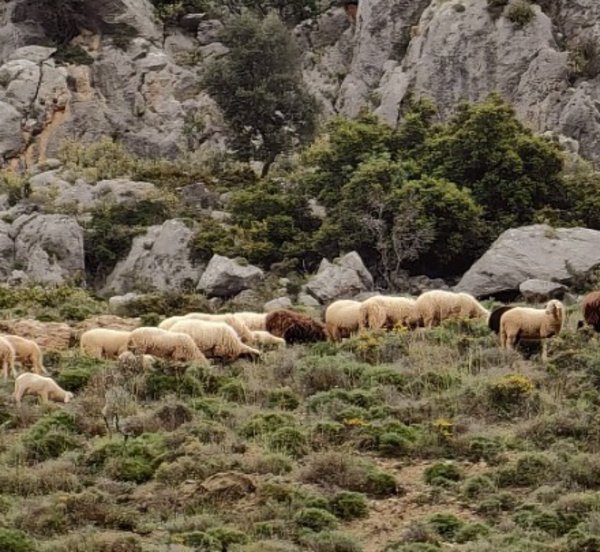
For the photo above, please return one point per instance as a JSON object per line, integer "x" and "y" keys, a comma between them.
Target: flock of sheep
{"x": 199, "y": 336}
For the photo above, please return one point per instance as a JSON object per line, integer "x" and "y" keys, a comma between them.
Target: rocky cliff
{"x": 119, "y": 72}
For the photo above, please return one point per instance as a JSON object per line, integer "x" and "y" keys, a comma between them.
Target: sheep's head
{"x": 68, "y": 396}
{"x": 555, "y": 309}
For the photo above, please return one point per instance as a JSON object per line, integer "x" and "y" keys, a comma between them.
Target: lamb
{"x": 104, "y": 343}
{"x": 27, "y": 352}
{"x": 129, "y": 360}
{"x": 380, "y": 311}
{"x": 42, "y": 386}
{"x": 342, "y": 318}
{"x": 528, "y": 323}
{"x": 266, "y": 339}
{"x": 215, "y": 339}
{"x": 591, "y": 310}
{"x": 470, "y": 308}
{"x": 432, "y": 307}
{"x": 254, "y": 320}
{"x": 238, "y": 325}
{"x": 496, "y": 316}
{"x": 7, "y": 357}
{"x": 295, "y": 327}
{"x": 164, "y": 344}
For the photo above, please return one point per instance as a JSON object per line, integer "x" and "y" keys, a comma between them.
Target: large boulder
{"x": 345, "y": 277}
{"x": 537, "y": 251}
{"x": 48, "y": 335}
{"x": 6, "y": 250}
{"x": 48, "y": 248}
{"x": 537, "y": 291}
{"x": 160, "y": 260}
{"x": 225, "y": 277}
{"x": 11, "y": 139}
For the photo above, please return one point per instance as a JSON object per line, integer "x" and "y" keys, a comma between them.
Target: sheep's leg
{"x": 107, "y": 426}
{"x": 13, "y": 370}
{"x": 44, "y": 396}
{"x": 544, "y": 351}
{"x": 5, "y": 369}
{"x": 117, "y": 423}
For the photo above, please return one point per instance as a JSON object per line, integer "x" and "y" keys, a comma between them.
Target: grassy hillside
{"x": 402, "y": 441}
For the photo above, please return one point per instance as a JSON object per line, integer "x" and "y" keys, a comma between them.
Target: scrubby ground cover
{"x": 405, "y": 441}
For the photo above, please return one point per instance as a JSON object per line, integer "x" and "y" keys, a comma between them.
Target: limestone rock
{"x": 6, "y": 250}
{"x": 230, "y": 485}
{"x": 49, "y": 248}
{"x": 537, "y": 251}
{"x": 117, "y": 303}
{"x": 278, "y": 303}
{"x": 121, "y": 190}
{"x": 48, "y": 335}
{"x": 307, "y": 300}
{"x": 159, "y": 260}
{"x": 105, "y": 321}
{"x": 11, "y": 140}
{"x": 225, "y": 277}
{"x": 538, "y": 291}
{"x": 344, "y": 278}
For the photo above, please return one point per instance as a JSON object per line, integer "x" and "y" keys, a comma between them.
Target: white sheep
{"x": 383, "y": 310}
{"x": 255, "y": 321}
{"x": 165, "y": 344}
{"x": 104, "y": 342}
{"x": 435, "y": 306}
{"x": 529, "y": 323}
{"x": 342, "y": 318}
{"x": 214, "y": 339}
{"x": 470, "y": 308}
{"x": 266, "y": 339}
{"x": 129, "y": 359}
{"x": 238, "y": 325}
{"x": 168, "y": 322}
{"x": 27, "y": 352}
{"x": 7, "y": 357}
{"x": 42, "y": 386}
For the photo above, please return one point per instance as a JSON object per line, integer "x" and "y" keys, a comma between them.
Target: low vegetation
{"x": 312, "y": 448}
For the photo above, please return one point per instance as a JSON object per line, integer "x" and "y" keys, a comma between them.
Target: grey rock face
{"x": 225, "y": 277}
{"x": 158, "y": 260}
{"x": 536, "y": 291}
{"x": 48, "y": 248}
{"x": 345, "y": 277}
{"x": 117, "y": 303}
{"x": 6, "y": 250}
{"x": 279, "y": 303}
{"x": 11, "y": 140}
{"x": 537, "y": 251}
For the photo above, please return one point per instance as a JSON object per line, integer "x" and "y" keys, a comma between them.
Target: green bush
{"x": 288, "y": 440}
{"x": 442, "y": 473}
{"x": 520, "y": 13}
{"x": 50, "y": 436}
{"x": 332, "y": 541}
{"x": 471, "y": 532}
{"x": 15, "y": 541}
{"x": 315, "y": 519}
{"x": 264, "y": 423}
{"x": 347, "y": 505}
{"x": 283, "y": 398}
{"x": 446, "y": 525}
{"x": 202, "y": 541}
{"x": 529, "y": 470}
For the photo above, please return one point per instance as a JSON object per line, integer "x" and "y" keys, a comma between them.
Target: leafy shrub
{"x": 478, "y": 486}
{"x": 332, "y": 541}
{"x": 510, "y": 394}
{"x": 228, "y": 536}
{"x": 584, "y": 469}
{"x": 268, "y": 422}
{"x": 529, "y": 470}
{"x": 15, "y": 541}
{"x": 520, "y": 13}
{"x": 347, "y": 505}
{"x": 283, "y": 398}
{"x": 50, "y": 436}
{"x": 442, "y": 473}
{"x": 202, "y": 541}
{"x": 471, "y": 532}
{"x": 289, "y": 440}
{"x": 446, "y": 525}
{"x": 315, "y": 519}
{"x": 76, "y": 372}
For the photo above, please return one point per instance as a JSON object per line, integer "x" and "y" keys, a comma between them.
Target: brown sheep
{"x": 591, "y": 310}
{"x": 295, "y": 327}
{"x": 495, "y": 316}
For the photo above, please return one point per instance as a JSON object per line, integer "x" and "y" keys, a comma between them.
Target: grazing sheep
{"x": 295, "y": 327}
{"x": 432, "y": 307}
{"x": 104, "y": 343}
{"x": 496, "y": 316}
{"x": 266, "y": 339}
{"x": 591, "y": 311}
{"x": 240, "y": 327}
{"x": 342, "y": 318}
{"x": 470, "y": 307}
{"x": 42, "y": 386}
{"x": 385, "y": 311}
{"x": 27, "y": 352}
{"x": 130, "y": 360}
{"x": 254, "y": 320}
{"x": 7, "y": 356}
{"x": 528, "y": 323}
{"x": 164, "y": 344}
{"x": 168, "y": 322}
{"x": 215, "y": 339}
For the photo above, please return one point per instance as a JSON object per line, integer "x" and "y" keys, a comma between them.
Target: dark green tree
{"x": 258, "y": 86}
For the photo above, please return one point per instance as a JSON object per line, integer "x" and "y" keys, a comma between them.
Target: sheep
{"x": 434, "y": 306}
{"x": 342, "y": 318}
{"x": 591, "y": 311}
{"x": 470, "y": 308}
{"x": 164, "y": 344}
{"x": 27, "y": 352}
{"x": 168, "y": 322}
{"x": 238, "y": 325}
{"x": 43, "y": 386}
{"x": 254, "y": 320}
{"x": 7, "y": 356}
{"x": 215, "y": 339}
{"x": 266, "y": 339}
{"x": 528, "y": 323}
{"x": 496, "y": 316}
{"x": 380, "y": 310}
{"x": 129, "y": 360}
{"x": 104, "y": 343}
{"x": 295, "y": 327}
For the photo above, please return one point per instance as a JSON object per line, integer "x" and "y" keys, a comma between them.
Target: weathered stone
{"x": 537, "y": 291}
{"x": 231, "y": 485}
{"x": 117, "y": 303}
{"x": 199, "y": 196}
{"x": 121, "y": 190}
{"x": 345, "y": 277}
{"x": 225, "y": 277}
{"x": 278, "y": 303}
{"x": 105, "y": 321}
{"x": 49, "y": 248}
{"x": 48, "y": 335}
{"x": 536, "y": 251}
{"x": 11, "y": 140}
{"x": 6, "y": 250}
{"x": 208, "y": 31}
{"x": 307, "y": 300}
{"x": 160, "y": 260}
{"x": 190, "y": 21}
{"x": 34, "y": 53}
